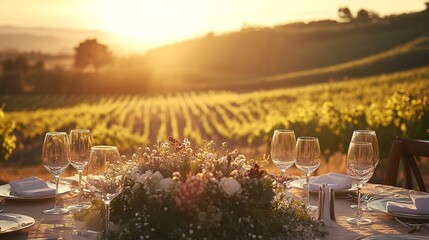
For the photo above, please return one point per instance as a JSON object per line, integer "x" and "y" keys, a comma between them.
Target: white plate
{"x": 5, "y": 192}
{"x": 299, "y": 183}
{"x": 392, "y": 237}
{"x": 380, "y": 205}
{"x": 11, "y": 222}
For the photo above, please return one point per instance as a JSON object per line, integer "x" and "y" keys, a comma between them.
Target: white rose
{"x": 156, "y": 177}
{"x": 166, "y": 184}
{"x": 142, "y": 178}
{"x": 230, "y": 186}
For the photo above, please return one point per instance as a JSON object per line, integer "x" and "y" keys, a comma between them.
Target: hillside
{"x": 251, "y": 59}
{"x": 57, "y": 40}
{"x": 328, "y": 49}
{"x": 407, "y": 56}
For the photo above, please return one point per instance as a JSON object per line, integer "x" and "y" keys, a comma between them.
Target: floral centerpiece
{"x": 176, "y": 192}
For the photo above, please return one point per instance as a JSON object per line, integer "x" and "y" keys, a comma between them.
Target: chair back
{"x": 408, "y": 150}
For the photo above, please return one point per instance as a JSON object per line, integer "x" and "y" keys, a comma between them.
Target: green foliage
{"x": 7, "y": 137}
{"x": 392, "y": 105}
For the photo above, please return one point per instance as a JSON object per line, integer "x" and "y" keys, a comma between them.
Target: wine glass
{"x": 368, "y": 136}
{"x": 360, "y": 167}
{"x": 283, "y": 149}
{"x": 107, "y": 176}
{"x": 371, "y": 137}
{"x": 308, "y": 157}
{"x": 80, "y": 149}
{"x": 55, "y": 158}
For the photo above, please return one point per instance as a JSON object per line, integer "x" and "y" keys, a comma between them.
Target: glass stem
{"x": 80, "y": 187}
{"x": 57, "y": 180}
{"x": 358, "y": 213}
{"x": 307, "y": 181}
{"x": 107, "y": 216}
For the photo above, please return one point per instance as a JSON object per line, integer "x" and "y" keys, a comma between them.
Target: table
{"x": 64, "y": 226}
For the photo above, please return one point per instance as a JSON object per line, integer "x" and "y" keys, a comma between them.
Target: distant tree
{"x": 39, "y": 65}
{"x": 345, "y": 14}
{"x": 8, "y": 65}
{"x": 366, "y": 16}
{"x": 20, "y": 63}
{"x": 90, "y": 52}
{"x": 427, "y": 6}
{"x": 362, "y": 16}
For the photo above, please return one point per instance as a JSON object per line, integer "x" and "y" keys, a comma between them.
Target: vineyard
{"x": 394, "y": 104}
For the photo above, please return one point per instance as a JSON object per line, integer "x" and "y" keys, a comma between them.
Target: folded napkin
{"x": 31, "y": 187}
{"x": 336, "y": 181}
{"x": 419, "y": 206}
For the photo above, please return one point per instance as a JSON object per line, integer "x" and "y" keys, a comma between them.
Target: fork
{"x": 1, "y": 202}
{"x": 412, "y": 226}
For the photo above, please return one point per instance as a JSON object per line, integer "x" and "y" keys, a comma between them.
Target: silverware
{"x": 332, "y": 205}
{"x": 412, "y": 226}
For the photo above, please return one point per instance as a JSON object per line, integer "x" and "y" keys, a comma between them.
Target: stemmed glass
{"x": 107, "y": 177}
{"x": 371, "y": 137}
{"x": 360, "y": 167}
{"x": 308, "y": 157}
{"x": 55, "y": 158}
{"x": 368, "y": 136}
{"x": 283, "y": 149}
{"x": 80, "y": 149}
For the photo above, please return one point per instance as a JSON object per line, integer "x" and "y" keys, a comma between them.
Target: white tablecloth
{"x": 63, "y": 226}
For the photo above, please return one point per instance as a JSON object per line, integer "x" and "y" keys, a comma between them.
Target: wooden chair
{"x": 408, "y": 150}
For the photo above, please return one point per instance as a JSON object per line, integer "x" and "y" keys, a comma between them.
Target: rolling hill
{"x": 295, "y": 54}
{"x": 250, "y": 59}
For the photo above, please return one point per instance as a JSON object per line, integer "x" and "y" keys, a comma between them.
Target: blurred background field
{"x": 322, "y": 78}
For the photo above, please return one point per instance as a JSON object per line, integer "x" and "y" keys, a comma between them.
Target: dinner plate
{"x": 392, "y": 237}
{"x": 299, "y": 183}
{"x": 11, "y": 222}
{"x": 5, "y": 192}
{"x": 380, "y": 205}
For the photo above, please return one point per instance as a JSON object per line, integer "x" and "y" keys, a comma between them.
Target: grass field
{"x": 394, "y": 104}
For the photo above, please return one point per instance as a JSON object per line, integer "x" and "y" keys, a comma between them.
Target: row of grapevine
{"x": 394, "y": 104}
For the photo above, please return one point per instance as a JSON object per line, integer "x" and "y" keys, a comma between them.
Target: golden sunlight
{"x": 155, "y": 22}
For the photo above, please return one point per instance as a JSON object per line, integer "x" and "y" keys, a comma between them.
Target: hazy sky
{"x": 161, "y": 21}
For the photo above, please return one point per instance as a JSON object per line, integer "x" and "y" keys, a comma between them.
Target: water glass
{"x": 360, "y": 167}
{"x": 283, "y": 149}
{"x": 308, "y": 157}
{"x": 55, "y": 158}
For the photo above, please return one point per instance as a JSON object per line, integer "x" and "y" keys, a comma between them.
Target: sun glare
{"x": 155, "y": 22}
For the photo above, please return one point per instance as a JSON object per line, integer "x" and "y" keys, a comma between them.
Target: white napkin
{"x": 420, "y": 204}
{"x": 336, "y": 181}
{"x": 31, "y": 187}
